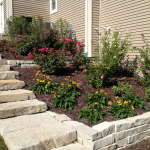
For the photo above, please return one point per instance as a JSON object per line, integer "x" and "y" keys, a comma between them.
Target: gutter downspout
{"x": 99, "y": 25}
{"x": 86, "y": 27}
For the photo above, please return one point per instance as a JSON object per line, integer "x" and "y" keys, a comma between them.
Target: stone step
{"x": 6, "y": 75}
{"x": 37, "y": 132}
{"x": 4, "y": 67}
{"x": 12, "y": 84}
{"x": 16, "y": 95}
{"x": 3, "y": 62}
{"x": 0, "y": 56}
{"x": 13, "y": 109}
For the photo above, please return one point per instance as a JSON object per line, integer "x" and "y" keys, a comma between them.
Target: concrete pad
{"x": 21, "y": 108}
{"x": 6, "y": 75}
{"x": 36, "y": 132}
{"x": 4, "y": 67}
{"x": 12, "y": 84}
{"x": 16, "y": 95}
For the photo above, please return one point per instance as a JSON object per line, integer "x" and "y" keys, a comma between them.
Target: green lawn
{"x": 2, "y": 144}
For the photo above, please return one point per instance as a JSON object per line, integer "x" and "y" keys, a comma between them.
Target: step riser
{"x": 14, "y": 109}
{"x": 4, "y": 67}
{"x": 6, "y": 75}
{"x": 11, "y": 85}
{"x": 3, "y": 62}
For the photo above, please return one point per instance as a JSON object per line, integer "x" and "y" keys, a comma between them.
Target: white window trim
{"x": 55, "y": 10}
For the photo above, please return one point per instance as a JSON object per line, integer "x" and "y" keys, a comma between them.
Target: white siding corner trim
{"x": 55, "y": 10}
{"x": 86, "y": 31}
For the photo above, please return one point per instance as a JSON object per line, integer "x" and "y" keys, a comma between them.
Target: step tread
{"x": 9, "y": 71}
{"x": 12, "y": 92}
{"x": 38, "y": 131}
{"x": 11, "y": 80}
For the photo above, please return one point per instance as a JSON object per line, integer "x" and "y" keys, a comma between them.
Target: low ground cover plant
{"x": 2, "y": 144}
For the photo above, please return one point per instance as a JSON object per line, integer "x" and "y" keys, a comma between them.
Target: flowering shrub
{"x": 112, "y": 53}
{"x": 66, "y": 95}
{"x": 147, "y": 97}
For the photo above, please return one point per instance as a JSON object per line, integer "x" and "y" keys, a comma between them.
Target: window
{"x": 53, "y": 6}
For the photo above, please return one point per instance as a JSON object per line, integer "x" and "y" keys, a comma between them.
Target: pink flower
{"x": 46, "y": 50}
{"x": 54, "y": 37}
{"x": 33, "y": 48}
{"x": 82, "y": 67}
{"x": 84, "y": 70}
{"x": 64, "y": 48}
{"x": 52, "y": 48}
{"x": 81, "y": 62}
{"x": 142, "y": 35}
{"x": 38, "y": 67}
{"x": 134, "y": 46}
{"x": 142, "y": 46}
{"x": 120, "y": 52}
{"x": 46, "y": 31}
{"x": 57, "y": 29}
{"x": 57, "y": 39}
{"x": 122, "y": 61}
{"x": 108, "y": 50}
{"x": 64, "y": 38}
{"x": 91, "y": 61}
{"x": 18, "y": 35}
{"x": 71, "y": 56}
{"x": 45, "y": 37}
{"x": 146, "y": 71}
{"x": 141, "y": 64}
{"x": 102, "y": 76}
{"x": 50, "y": 53}
{"x": 83, "y": 45}
{"x": 78, "y": 42}
{"x": 30, "y": 56}
{"x": 28, "y": 40}
{"x": 35, "y": 55}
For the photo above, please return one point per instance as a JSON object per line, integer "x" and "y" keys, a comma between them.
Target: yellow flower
{"x": 129, "y": 101}
{"x": 33, "y": 79}
{"x": 66, "y": 79}
{"x": 120, "y": 103}
{"x": 109, "y": 102}
{"x": 69, "y": 85}
{"x": 37, "y": 79}
{"x": 46, "y": 86}
{"x": 125, "y": 102}
{"x": 123, "y": 97}
{"x": 52, "y": 83}
{"x": 59, "y": 89}
{"x": 77, "y": 85}
{"x": 62, "y": 84}
{"x": 58, "y": 95}
{"x": 102, "y": 91}
{"x": 132, "y": 107}
{"x": 96, "y": 92}
{"x": 73, "y": 82}
{"x": 68, "y": 76}
{"x": 116, "y": 97}
{"x": 105, "y": 93}
{"x": 54, "y": 95}
{"x": 89, "y": 97}
{"x": 95, "y": 103}
{"x": 52, "y": 91}
{"x": 43, "y": 71}
{"x": 47, "y": 77}
{"x": 64, "y": 92}
{"x": 49, "y": 82}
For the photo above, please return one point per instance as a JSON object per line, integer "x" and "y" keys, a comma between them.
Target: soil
{"x": 28, "y": 74}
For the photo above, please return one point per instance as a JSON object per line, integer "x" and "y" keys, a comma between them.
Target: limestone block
{"x": 62, "y": 118}
{"x": 6, "y": 75}
{"x": 144, "y": 134}
{"x": 147, "y": 114}
{"x": 121, "y": 143}
{"x": 52, "y": 114}
{"x": 109, "y": 147}
{"x": 4, "y": 67}
{"x": 11, "y": 62}
{"x": 80, "y": 140}
{"x": 3, "y": 62}
{"x": 16, "y": 95}
{"x": 120, "y": 135}
{"x": 108, "y": 140}
{"x": 105, "y": 128}
{"x": 11, "y": 84}
{"x": 139, "y": 120}
{"x": 73, "y": 123}
{"x": 28, "y": 65}
{"x": 21, "y": 108}
{"x": 133, "y": 138}
{"x": 123, "y": 124}
{"x": 75, "y": 146}
{"x": 132, "y": 131}
{"x": 142, "y": 128}
{"x": 19, "y": 62}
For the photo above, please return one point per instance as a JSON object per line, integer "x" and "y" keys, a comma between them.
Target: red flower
{"x": 57, "y": 39}
{"x": 54, "y": 37}
{"x": 65, "y": 42}
{"x": 45, "y": 37}
{"x": 35, "y": 55}
{"x": 38, "y": 67}
{"x": 50, "y": 53}
{"x": 43, "y": 58}
{"x": 82, "y": 67}
{"x": 62, "y": 56}
{"x": 42, "y": 43}
{"x": 33, "y": 48}
{"x": 28, "y": 40}
{"x": 64, "y": 38}
{"x": 30, "y": 56}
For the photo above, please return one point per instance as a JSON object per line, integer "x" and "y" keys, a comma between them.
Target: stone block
{"x": 52, "y": 114}
{"x": 11, "y": 62}
{"x": 16, "y": 95}
{"x": 142, "y": 128}
{"x": 80, "y": 140}
{"x": 4, "y": 67}
{"x": 62, "y": 118}
{"x": 140, "y": 120}
{"x": 144, "y": 134}
{"x": 21, "y": 108}
{"x": 123, "y": 124}
{"x": 104, "y": 128}
{"x": 132, "y": 131}
{"x": 121, "y": 143}
{"x": 28, "y": 65}
{"x": 73, "y": 123}
{"x": 134, "y": 138}
{"x": 19, "y": 62}
{"x": 120, "y": 135}
{"x": 3, "y": 62}
{"x": 6, "y": 75}
{"x": 109, "y": 147}
{"x": 11, "y": 84}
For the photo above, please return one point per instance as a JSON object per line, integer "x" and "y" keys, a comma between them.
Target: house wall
{"x": 32, "y": 8}
{"x": 73, "y": 12}
{"x": 134, "y": 16}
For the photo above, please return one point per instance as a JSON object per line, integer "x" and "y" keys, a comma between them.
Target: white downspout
{"x": 86, "y": 27}
{"x": 99, "y": 25}
{"x": 50, "y": 9}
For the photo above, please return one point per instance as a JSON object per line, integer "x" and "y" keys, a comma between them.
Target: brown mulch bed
{"x": 28, "y": 74}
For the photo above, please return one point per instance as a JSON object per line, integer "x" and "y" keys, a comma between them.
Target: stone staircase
{"x": 25, "y": 123}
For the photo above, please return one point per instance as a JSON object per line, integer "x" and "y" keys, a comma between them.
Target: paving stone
{"x": 3, "y": 62}
{"x": 123, "y": 142}
{"x": 16, "y": 95}
{"x": 28, "y": 65}
{"x": 120, "y": 135}
{"x": 62, "y": 118}
{"x": 75, "y": 146}
{"x": 105, "y": 128}
{"x": 37, "y": 132}
{"x": 21, "y": 108}
{"x": 108, "y": 140}
{"x": 140, "y": 120}
{"x": 123, "y": 124}
{"x": 11, "y": 62}
{"x": 109, "y": 147}
{"x": 24, "y": 62}
{"x": 6, "y": 75}
{"x": 132, "y": 131}
{"x": 143, "y": 128}
{"x": 12, "y": 84}
{"x": 4, "y": 67}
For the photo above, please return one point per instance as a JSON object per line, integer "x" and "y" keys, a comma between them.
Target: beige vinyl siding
{"x": 95, "y": 23}
{"x": 32, "y": 8}
{"x": 134, "y": 16}
{"x": 5, "y": 12}
{"x": 73, "y": 11}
